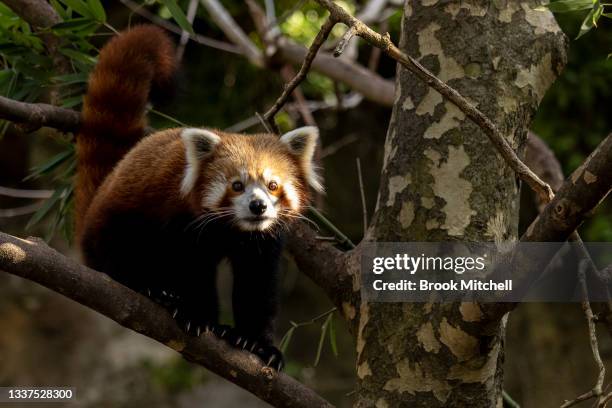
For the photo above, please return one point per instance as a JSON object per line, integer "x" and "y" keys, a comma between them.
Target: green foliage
{"x": 327, "y": 331}
{"x": 596, "y": 11}
{"x": 177, "y": 14}
{"x": 28, "y": 73}
{"x": 302, "y": 26}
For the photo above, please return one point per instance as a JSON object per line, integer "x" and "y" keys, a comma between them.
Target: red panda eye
{"x": 237, "y": 186}
{"x": 272, "y": 186}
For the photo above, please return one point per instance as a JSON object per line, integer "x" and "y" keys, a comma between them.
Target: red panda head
{"x": 254, "y": 181}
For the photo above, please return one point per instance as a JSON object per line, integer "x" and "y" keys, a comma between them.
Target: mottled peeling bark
{"x": 442, "y": 180}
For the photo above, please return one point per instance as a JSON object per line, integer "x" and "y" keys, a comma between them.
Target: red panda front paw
{"x": 190, "y": 325}
{"x": 271, "y": 356}
{"x": 165, "y": 298}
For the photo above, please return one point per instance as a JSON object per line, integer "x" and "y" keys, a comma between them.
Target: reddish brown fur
{"x": 148, "y": 178}
{"x": 113, "y": 111}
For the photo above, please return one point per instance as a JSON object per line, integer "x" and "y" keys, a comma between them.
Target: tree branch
{"x": 200, "y": 39}
{"x": 331, "y": 269}
{"x": 39, "y": 14}
{"x": 36, "y": 115}
{"x": 32, "y": 259}
{"x": 543, "y": 161}
{"x": 233, "y": 31}
{"x": 579, "y": 195}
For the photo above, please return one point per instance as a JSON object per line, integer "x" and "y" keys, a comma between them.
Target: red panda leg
{"x": 255, "y": 298}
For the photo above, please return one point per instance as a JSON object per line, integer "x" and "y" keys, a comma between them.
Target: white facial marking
{"x": 199, "y": 143}
{"x": 292, "y": 196}
{"x": 214, "y": 193}
{"x": 267, "y": 175}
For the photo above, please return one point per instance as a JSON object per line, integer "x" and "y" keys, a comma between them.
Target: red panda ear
{"x": 199, "y": 144}
{"x": 302, "y": 143}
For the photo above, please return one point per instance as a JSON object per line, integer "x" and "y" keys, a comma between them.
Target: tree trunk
{"x": 442, "y": 180}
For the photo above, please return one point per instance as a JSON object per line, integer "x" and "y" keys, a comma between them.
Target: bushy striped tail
{"x": 130, "y": 66}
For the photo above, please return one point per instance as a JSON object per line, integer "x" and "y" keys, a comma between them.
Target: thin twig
{"x": 363, "y": 199}
{"x": 346, "y": 38}
{"x": 191, "y": 13}
{"x": 342, "y": 239}
{"x": 374, "y": 59}
{"x": 265, "y": 124}
{"x": 232, "y": 30}
{"x": 312, "y": 52}
{"x": 580, "y": 398}
{"x": 334, "y": 147}
{"x": 327, "y": 239}
{"x": 509, "y": 401}
{"x": 273, "y": 29}
{"x": 596, "y": 392}
{"x": 603, "y": 401}
{"x": 287, "y": 73}
{"x": 20, "y": 193}
{"x": 243, "y": 124}
{"x": 384, "y": 42}
{"x": 19, "y": 211}
{"x": 200, "y": 39}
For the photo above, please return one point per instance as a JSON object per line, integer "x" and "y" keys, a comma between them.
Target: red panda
{"x": 158, "y": 213}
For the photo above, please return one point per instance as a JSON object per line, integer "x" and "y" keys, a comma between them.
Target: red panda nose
{"x": 257, "y": 207}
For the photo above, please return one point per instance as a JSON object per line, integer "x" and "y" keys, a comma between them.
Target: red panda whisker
{"x": 295, "y": 215}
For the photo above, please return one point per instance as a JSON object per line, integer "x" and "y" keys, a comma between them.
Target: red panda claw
{"x": 174, "y": 313}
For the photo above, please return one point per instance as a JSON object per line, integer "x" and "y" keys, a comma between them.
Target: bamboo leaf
{"x": 78, "y": 56}
{"x": 332, "y": 336}
{"x": 324, "y": 327}
{"x": 79, "y": 6}
{"x": 565, "y": 6}
{"x": 284, "y": 343}
{"x": 178, "y": 15}
{"x": 50, "y": 165}
{"x": 97, "y": 10}
{"x": 587, "y": 24}
{"x": 72, "y": 24}
{"x": 44, "y": 210}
